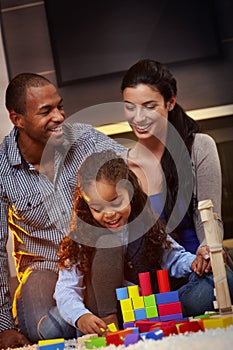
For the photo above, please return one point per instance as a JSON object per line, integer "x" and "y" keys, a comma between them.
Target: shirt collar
{"x": 14, "y": 155}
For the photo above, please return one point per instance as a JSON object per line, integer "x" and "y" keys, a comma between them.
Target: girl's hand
{"x": 89, "y": 324}
{"x": 201, "y": 265}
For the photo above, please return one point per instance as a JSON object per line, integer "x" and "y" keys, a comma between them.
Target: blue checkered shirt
{"x": 36, "y": 210}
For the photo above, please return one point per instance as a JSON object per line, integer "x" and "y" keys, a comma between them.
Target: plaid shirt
{"x": 36, "y": 210}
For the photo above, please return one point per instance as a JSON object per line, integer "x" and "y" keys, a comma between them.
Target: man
{"x": 38, "y": 166}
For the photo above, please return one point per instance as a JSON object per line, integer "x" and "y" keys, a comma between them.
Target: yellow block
{"x": 138, "y": 303}
{"x": 112, "y": 327}
{"x": 128, "y": 316}
{"x": 51, "y": 341}
{"x": 133, "y": 291}
{"x": 126, "y": 304}
{"x": 218, "y": 322}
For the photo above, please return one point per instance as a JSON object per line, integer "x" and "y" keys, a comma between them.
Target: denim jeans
{"x": 197, "y": 295}
{"x": 33, "y": 299}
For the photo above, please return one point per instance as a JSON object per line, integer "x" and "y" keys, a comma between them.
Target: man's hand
{"x": 201, "y": 265}
{"x": 89, "y": 324}
{"x": 11, "y": 338}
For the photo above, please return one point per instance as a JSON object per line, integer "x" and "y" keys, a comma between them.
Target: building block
{"x": 215, "y": 322}
{"x": 178, "y": 316}
{"x": 151, "y": 311}
{"x": 138, "y": 302}
{"x": 133, "y": 291}
{"x": 149, "y": 300}
{"x": 145, "y": 283}
{"x": 212, "y": 235}
{"x": 140, "y": 314}
{"x": 126, "y": 304}
{"x": 167, "y": 327}
{"x": 144, "y": 325}
{"x": 132, "y": 339}
{"x": 52, "y": 344}
{"x": 112, "y": 327}
{"x": 122, "y": 293}
{"x": 155, "y": 334}
{"x": 128, "y": 324}
{"x": 128, "y": 316}
{"x": 113, "y": 338}
{"x": 171, "y": 308}
{"x": 167, "y": 297}
{"x": 93, "y": 343}
{"x": 191, "y": 326}
{"x": 163, "y": 281}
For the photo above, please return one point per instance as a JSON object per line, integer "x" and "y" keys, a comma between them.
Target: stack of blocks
{"x": 144, "y": 305}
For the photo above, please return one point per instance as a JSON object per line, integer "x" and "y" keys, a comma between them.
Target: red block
{"x": 169, "y": 309}
{"x": 115, "y": 339}
{"x": 144, "y": 326}
{"x": 145, "y": 283}
{"x": 192, "y": 326}
{"x": 167, "y": 329}
{"x": 163, "y": 281}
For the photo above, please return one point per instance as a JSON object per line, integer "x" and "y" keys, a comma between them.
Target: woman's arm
{"x": 207, "y": 181}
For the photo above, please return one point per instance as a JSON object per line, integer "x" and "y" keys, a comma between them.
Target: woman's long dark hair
{"x": 109, "y": 167}
{"x": 158, "y": 77}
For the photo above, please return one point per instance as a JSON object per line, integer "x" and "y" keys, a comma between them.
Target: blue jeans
{"x": 197, "y": 295}
{"x": 33, "y": 299}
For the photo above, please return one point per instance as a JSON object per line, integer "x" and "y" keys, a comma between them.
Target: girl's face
{"x": 110, "y": 206}
{"x": 146, "y": 110}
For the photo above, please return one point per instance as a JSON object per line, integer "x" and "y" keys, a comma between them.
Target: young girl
{"x": 115, "y": 235}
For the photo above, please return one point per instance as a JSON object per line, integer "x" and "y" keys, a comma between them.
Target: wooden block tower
{"x": 210, "y": 223}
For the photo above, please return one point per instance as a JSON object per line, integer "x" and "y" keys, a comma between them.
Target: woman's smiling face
{"x": 146, "y": 110}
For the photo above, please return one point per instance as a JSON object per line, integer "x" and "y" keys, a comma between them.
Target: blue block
{"x": 167, "y": 297}
{"x": 131, "y": 338}
{"x": 156, "y": 334}
{"x": 55, "y": 346}
{"x": 122, "y": 293}
{"x": 140, "y": 314}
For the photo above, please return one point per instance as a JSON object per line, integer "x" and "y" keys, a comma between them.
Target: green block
{"x": 98, "y": 342}
{"x": 151, "y": 311}
{"x": 149, "y": 300}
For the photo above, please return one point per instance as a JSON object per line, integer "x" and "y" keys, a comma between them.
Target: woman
{"x": 177, "y": 166}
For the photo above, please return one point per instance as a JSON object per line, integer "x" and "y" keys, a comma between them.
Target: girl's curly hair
{"x": 108, "y": 166}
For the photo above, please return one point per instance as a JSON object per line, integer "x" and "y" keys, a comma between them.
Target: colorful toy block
{"x": 132, "y": 339}
{"x": 151, "y": 312}
{"x": 128, "y": 316}
{"x": 128, "y": 324}
{"x": 126, "y": 304}
{"x": 193, "y": 326}
{"x": 133, "y": 291}
{"x": 149, "y": 300}
{"x": 52, "y": 344}
{"x": 122, "y": 293}
{"x": 171, "y": 308}
{"x": 168, "y": 297}
{"x": 140, "y": 314}
{"x": 163, "y": 281}
{"x": 177, "y": 317}
{"x": 145, "y": 283}
{"x": 114, "y": 338}
{"x": 138, "y": 302}
{"x": 215, "y": 322}
{"x": 155, "y": 334}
